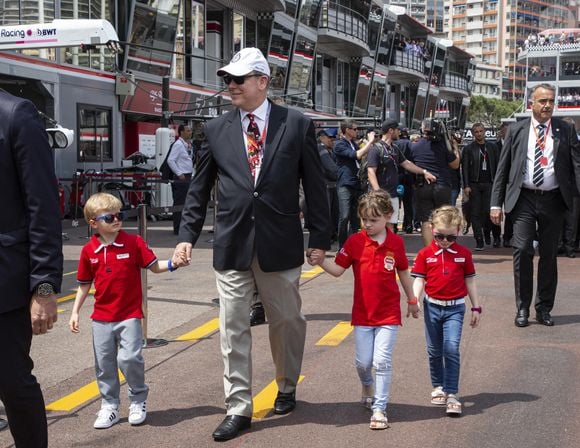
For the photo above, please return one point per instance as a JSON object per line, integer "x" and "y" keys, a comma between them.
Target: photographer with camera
{"x": 434, "y": 155}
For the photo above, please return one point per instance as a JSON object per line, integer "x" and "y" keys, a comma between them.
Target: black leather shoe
{"x": 487, "y": 240}
{"x": 570, "y": 253}
{"x": 285, "y": 403}
{"x": 231, "y": 427}
{"x": 496, "y": 242}
{"x": 257, "y": 314}
{"x": 544, "y": 318}
{"x": 522, "y": 319}
{"x": 507, "y": 243}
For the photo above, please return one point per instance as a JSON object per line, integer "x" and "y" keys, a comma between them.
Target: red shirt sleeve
{"x": 146, "y": 255}
{"x": 401, "y": 255}
{"x": 84, "y": 271}
{"x": 419, "y": 267}
{"x": 469, "y": 266}
{"x": 344, "y": 257}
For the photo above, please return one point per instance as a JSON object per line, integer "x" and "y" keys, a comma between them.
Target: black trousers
{"x": 19, "y": 390}
{"x": 179, "y": 190}
{"x": 480, "y": 198}
{"x": 537, "y": 216}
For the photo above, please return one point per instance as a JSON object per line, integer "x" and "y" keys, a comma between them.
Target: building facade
{"x": 329, "y": 58}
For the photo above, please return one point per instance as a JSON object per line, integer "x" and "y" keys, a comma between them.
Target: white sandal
{"x": 438, "y": 397}
{"x": 453, "y": 406}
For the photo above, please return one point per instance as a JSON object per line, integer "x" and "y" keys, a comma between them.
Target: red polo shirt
{"x": 116, "y": 272}
{"x": 377, "y": 300}
{"x": 444, "y": 271}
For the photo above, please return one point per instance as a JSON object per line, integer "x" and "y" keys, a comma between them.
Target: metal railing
{"x": 344, "y": 20}
{"x": 454, "y": 80}
{"x": 406, "y": 60}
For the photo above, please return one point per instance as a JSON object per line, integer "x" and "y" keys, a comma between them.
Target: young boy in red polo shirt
{"x": 113, "y": 260}
{"x": 445, "y": 271}
{"x": 376, "y": 255}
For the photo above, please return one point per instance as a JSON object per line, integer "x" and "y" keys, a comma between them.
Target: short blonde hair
{"x": 447, "y": 216}
{"x": 375, "y": 203}
{"x": 99, "y": 202}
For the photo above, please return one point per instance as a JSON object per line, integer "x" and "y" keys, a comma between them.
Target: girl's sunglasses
{"x": 110, "y": 218}
{"x": 442, "y": 237}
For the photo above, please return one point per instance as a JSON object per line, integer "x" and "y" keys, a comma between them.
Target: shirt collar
{"x": 101, "y": 245}
{"x": 438, "y": 250}
{"x": 261, "y": 112}
{"x": 535, "y": 123}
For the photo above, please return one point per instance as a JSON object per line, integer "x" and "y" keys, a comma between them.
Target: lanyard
{"x": 542, "y": 143}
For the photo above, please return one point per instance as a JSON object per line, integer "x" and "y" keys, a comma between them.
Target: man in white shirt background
{"x": 181, "y": 163}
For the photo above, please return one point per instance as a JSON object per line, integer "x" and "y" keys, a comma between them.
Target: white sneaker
{"x": 106, "y": 417}
{"x": 137, "y": 413}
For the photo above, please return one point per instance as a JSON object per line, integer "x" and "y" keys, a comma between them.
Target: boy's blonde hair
{"x": 375, "y": 203}
{"x": 99, "y": 202}
{"x": 447, "y": 216}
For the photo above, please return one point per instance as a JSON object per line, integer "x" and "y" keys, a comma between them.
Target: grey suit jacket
{"x": 510, "y": 171}
{"x": 265, "y": 218}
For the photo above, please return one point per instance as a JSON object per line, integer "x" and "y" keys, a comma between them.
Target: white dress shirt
{"x": 179, "y": 159}
{"x": 550, "y": 181}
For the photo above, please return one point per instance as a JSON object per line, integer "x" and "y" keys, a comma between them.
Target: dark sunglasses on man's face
{"x": 442, "y": 237}
{"x": 110, "y": 218}
{"x": 239, "y": 80}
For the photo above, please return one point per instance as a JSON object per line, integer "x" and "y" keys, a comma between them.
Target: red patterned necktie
{"x": 255, "y": 145}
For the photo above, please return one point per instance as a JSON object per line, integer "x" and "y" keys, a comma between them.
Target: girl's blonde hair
{"x": 375, "y": 203}
{"x": 99, "y": 202}
{"x": 446, "y": 216}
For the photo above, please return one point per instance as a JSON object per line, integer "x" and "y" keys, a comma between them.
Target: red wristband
{"x": 412, "y": 302}
{"x": 476, "y": 309}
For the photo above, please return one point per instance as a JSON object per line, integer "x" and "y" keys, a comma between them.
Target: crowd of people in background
{"x": 537, "y": 39}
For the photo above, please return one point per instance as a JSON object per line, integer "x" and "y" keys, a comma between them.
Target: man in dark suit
{"x": 30, "y": 262}
{"x": 536, "y": 178}
{"x": 259, "y": 153}
{"x": 479, "y": 163}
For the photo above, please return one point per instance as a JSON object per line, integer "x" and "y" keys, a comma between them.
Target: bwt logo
{"x": 44, "y": 32}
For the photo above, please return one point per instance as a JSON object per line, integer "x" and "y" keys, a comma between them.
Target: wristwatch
{"x": 45, "y": 290}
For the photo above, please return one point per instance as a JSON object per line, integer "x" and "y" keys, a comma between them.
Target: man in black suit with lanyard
{"x": 30, "y": 262}
{"x": 259, "y": 152}
{"x": 538, "y": 171}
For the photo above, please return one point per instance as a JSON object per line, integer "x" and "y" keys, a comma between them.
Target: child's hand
{"x": 73, "y": 323}
{"x": 413, "y": 310}
{"x": 316, "y": 257}
{"x": 475, "y": 317}
{"x": 181, "y": 255}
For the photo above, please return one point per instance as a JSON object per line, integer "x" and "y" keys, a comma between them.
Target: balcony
{"x": 455, "y": 82}
{"x": 342, "y": 31}
{"x": 471, "y": 12}
{"x": 475, "y": 25}
{"x": 403, "y": 65}
{"x": 474, "y": 38}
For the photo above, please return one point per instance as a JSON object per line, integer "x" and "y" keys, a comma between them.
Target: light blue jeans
{"x": 443, "y": 325}
{"x": 374, "y": 348}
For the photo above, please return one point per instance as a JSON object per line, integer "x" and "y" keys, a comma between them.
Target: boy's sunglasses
{"x": 442, "y": 237}
{"x": 239, "y": 80}
{"x": 110, "y": 218}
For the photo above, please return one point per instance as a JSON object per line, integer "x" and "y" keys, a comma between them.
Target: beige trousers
{"x": 287, "y": 328}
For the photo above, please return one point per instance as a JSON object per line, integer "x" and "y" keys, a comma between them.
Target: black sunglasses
{"x": 442, "y": 237}
{"x": 239, "y": 80}
{"x": 110, "y": 218}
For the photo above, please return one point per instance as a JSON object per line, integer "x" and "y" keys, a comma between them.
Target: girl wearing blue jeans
{"x": 376, "y": 255}
{"x": 444, "y": 271}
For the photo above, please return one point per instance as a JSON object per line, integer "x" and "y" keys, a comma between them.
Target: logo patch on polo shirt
{"x": 94, "y": 260}
{"x": 459, "y": 260}
{"x": 389, "y": 263}
{"x": 431, "y": 260}
{"x": 121, "y": 256}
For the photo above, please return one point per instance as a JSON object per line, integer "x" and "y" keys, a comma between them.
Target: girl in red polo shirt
{"x": 445, "y": 271}
{"x": 376, "y": 255}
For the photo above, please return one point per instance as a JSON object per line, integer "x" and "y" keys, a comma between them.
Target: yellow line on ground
{"x": 71, "y": 297}
{"x": 264, "y": 401}
{"x": 69, "y": 273}
{"x": 201, "y": 332}
{"x": 312, "y": 272}
{"x": 336, "y": 335}
{"x": 78, "y": 397}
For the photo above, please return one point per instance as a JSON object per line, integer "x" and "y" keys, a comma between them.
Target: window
{"x": 94, "y": 131}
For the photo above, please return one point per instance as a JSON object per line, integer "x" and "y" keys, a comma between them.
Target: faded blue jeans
{"x": 443, "y": 325}
{"x": 374, "y": 348}
{"x": 348, "y": 220}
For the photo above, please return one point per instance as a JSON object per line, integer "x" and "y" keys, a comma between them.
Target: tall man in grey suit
{"x": 538, "y": 171}
{"x": 259, "y": 153}
{"x": 30, "y": 262}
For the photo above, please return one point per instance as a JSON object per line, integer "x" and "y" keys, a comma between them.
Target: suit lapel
{"x": 276, "y": 129}
{"x": 233, "y": 130}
